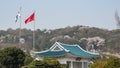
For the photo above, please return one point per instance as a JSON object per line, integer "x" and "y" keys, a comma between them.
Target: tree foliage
{"x": 12, "y": 57}
{"x": 46, "y": 63}
{"x": 28, "y": 59}
{"x": 71, "y": 35}
{"x": 110, "y": 63}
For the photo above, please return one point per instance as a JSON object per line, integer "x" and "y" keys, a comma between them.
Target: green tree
{"x": 34, "y": 64}
{"x": 110, "y": 63}
{"x": 12, "y": 57}
{"x": 113, "y": 63}
{"x": 98, "y": 65}
{"x": 28, "y": 59}
{"x": 46, "y": 63}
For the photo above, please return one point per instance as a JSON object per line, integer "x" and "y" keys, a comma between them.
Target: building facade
{"x": 72, "y": 55}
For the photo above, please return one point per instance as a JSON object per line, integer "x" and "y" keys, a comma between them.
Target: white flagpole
{"x": 20, "y": 26}
{"x": 34, "y": 34}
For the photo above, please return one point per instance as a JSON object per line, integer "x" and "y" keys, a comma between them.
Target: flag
{"x": 30, "y": 18}
{"x": 17, "y": 17}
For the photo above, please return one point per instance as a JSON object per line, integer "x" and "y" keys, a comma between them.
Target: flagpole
{"x": 29, "y": 19}
{"x": 34, "y": 34}
{"x": 20, "y": 26}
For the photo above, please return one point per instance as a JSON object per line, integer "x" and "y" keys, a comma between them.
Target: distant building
{"x": 72, "y": 55}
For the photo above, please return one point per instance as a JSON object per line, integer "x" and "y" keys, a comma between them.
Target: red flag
{"x": 30, "y": 18}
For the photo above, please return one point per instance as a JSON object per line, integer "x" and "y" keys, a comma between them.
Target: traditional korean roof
{"x": 78, "y": 51}
{"x": 61, "y": 49}
{"x": 49, "y": 53}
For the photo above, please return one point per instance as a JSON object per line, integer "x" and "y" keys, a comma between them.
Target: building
{"x": 73, "y": 55}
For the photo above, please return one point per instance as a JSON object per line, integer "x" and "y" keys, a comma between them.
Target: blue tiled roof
{"x": 75, "y": 50}
{"x": 78, "y": 51}
{"x": 52, "y": 53}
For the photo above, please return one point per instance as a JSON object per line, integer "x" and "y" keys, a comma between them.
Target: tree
{"x": 12, "y": 57}
{"x": 92, "y": 43}
{"x": 110, "y": 63}
{"x": 113, "y": 63}
{"x": 46, "y": 63}
{"x": 28, "y": 59}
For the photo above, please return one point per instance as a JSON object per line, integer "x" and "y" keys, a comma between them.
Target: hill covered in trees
{"x": 89, "y": 38}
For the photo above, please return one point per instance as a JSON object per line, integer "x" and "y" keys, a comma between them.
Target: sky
{"x": 54, "y": 14}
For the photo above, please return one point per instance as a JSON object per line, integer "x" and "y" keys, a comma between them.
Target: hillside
{"x": 89, "y": 38}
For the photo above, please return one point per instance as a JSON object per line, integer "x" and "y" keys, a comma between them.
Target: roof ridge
{"x": 42, "y": 51}
{"x": 68, "y": 44}
{"x": 59, "y": 43}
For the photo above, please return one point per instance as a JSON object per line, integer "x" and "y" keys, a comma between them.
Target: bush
{"x": 46, "y": 63}
{"x": 110, "y": 63}
{"x": 28, "y": 59}
{"x": 113, "y": 63}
